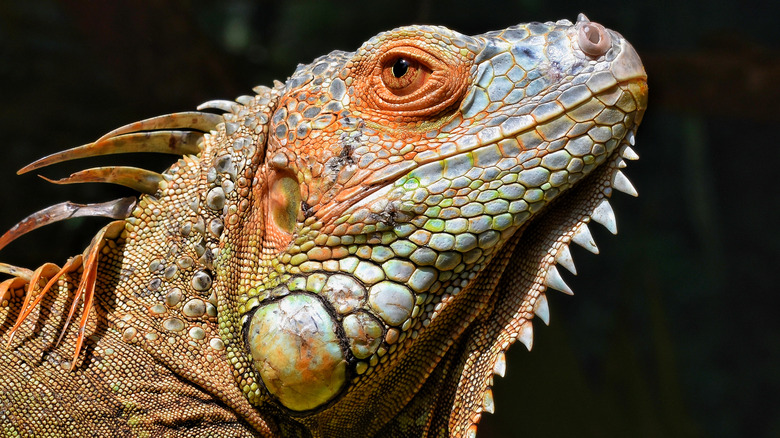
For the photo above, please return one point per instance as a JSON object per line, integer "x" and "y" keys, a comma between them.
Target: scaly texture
{"x": 349, "y": 253}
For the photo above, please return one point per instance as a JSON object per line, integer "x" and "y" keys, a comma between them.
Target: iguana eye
{"x": 408, "y": 82}
{"x": 403, "y": 76}
{"x": 400, "y": 67}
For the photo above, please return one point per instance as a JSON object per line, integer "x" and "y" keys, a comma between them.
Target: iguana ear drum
{"x": 284, "y": 204}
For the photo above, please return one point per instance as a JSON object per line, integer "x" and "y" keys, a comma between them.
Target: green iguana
{"x": 348, "y": 253}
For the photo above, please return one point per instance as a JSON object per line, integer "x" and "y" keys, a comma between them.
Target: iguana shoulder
{"x": 348, "y": 253}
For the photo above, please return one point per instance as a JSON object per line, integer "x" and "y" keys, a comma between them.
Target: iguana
{"x": 348, "y": 253}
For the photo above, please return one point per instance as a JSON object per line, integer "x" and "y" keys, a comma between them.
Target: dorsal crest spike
{"x": 116, "y": 209}
{"x": 194, "y": 120}
{"x": 87, "y": 285}
{"x": 164, "y": 142}
{"x": 142, "y": 180}
{"x": 16, "y": 271}
{"x": 29, "y": 304}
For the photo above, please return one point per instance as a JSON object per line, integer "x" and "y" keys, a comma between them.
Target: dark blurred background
{"x": 674, "y": 329}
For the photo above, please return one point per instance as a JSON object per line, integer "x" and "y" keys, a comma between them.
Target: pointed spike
{"x": 28, "y": 307}
{"x": 620, "y": 182}
{"x": 261, "y": 89}
{"x": 554, "y": 280}
{"x": 114, "y": 229}
{"x": 245, "y": 100}
{"x": 488, "y": 405}
{"x": 542, "y": 308}
{"x": 194, "y": 120}
{"x": 73, "y": 307}
{"x": 16, "y": 271}
{"x": 564, "y": 259}
{"x": 631, "y": 138}
{"x": 583, "y": 238}
{"x": 526, "y": 335}
{"x": 8, "y": 285}
{"x": 5, "y": 289}
{"x": 87, "y": 288}
{"x": 142, "y": 180}
{"x": 621, "y": 163}
{"x": 628, "y": 153}
{"x": 16, "y": 282}
{"x": 604, "y": 215}
{"x": 165, "y": 142}
{"x": 218, "y": 104}
{"x": 44, "y": 271}
{"x": 116, "y": 209}
{"x": 499, "y": 368}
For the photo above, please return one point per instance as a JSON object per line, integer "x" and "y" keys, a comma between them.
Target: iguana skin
{"x": 346, "y": 254}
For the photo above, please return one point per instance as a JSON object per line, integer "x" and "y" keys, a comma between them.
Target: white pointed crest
{"x": 620, "y": 182}
{"x": 542, "y": 309}
{"x": 604, "y": 215}
{"x": 583, "y": 238}
{"x": 563, "y": 258}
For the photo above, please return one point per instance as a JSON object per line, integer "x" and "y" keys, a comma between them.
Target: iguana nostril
{"x": 594, "y": 40}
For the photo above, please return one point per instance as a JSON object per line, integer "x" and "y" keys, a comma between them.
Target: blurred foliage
{"x": 674, "y": 330}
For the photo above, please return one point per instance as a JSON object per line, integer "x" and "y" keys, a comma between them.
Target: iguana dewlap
{"x": 345, "y": 254}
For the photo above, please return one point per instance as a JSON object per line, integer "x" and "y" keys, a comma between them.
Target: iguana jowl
{"x": 349, "y": 253}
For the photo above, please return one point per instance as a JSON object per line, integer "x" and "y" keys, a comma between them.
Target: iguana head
{"x": 374, "y": 233}
{"x": 416, "y": 159}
